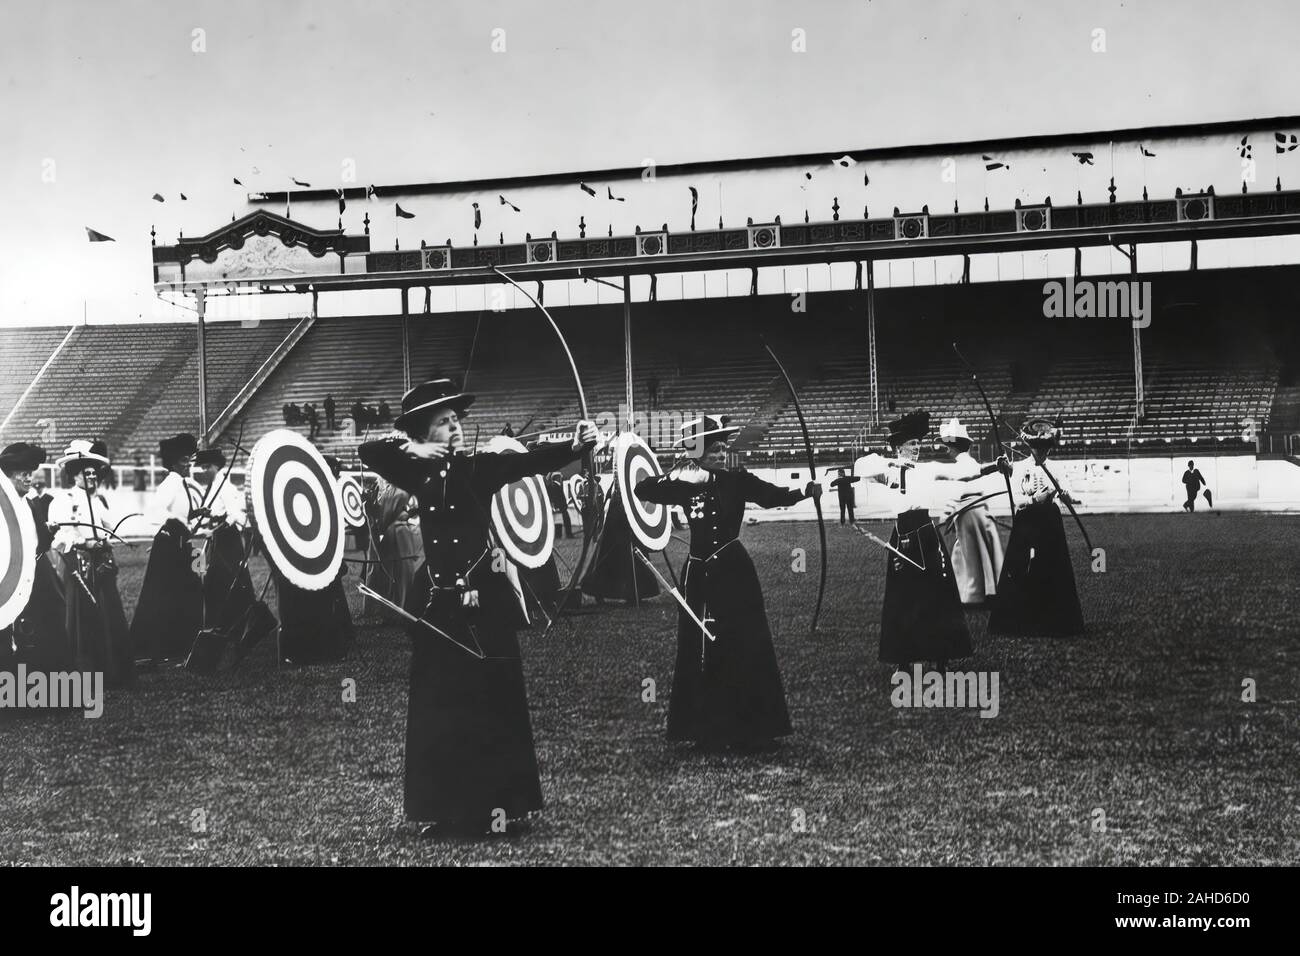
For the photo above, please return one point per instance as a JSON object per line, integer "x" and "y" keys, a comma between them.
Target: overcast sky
{"x": 104, "y": 103}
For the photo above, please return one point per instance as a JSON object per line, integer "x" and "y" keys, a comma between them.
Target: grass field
{"x": 1142, "y": 720}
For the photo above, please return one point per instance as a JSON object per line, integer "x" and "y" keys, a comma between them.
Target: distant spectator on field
{"x": 844, "y": 486}
{"x": 329, "y": 413}
{"x": 1193, "y": 481}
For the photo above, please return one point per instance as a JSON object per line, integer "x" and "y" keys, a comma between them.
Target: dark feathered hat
{"x": 914, "y": 425}
{"x": 21, "y": 456}
{"x": 176, "y": 447}
{"x": 210, "y": 456}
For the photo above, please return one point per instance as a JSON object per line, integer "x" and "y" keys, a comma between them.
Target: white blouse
{"x": 80, "y": 515}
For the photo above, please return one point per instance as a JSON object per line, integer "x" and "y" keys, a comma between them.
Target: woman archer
{"x": 922, "y": 618}
{"x": 1037, "y": 593}
{"x": 84, "y": 528}
{"x": 726, "y": 685}
{"x": 169, "y": 612}
{"x": 470, "y": 762}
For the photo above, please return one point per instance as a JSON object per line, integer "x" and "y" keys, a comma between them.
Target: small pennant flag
{"x": 343, "y": 203}
{"x": 1147, "y": 152}
{"x": 846, "y": 161}
{"x": 1284, "y": 145}
{"x": 991, "y": 164}
{"x": 587, "y": 189}
{"x": 1245, "y": 148}
{"x": 94, "y": 236}
{"x": 370, "y": 193}
{"x": 695, "y": 204}
{"x": 613, "y": 197}
{"x": 507, "y": 202}
{"x": 866, "y": 180}
{"x": 402, "y": 213}
{"x": 299, "y": 182}
{"x": 478, "y": 216}
{"x": 1085, "y": 159}
{"x": 236, "y": 182}
{"x": 184, "y": 198}
{"x": 158, "y": 198}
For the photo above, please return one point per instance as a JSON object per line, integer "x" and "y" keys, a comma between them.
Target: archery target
{"x": 298, "y": 509}
{"x": 633, "y": 463}
{"x": 17, "y": 553}
{"x": 521, "y": 513}
{"x": 351, "y": 502}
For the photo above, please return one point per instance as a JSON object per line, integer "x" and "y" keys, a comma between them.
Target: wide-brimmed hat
{"x": 912, "y": 426}
{"x": 427, "y": 396}
{"x": 707, "y": 426}
{"x": 210, "y": 456}
{"x": 80, "y": 454}
{"x": 178, "y": 446}
{"x": 21, "y": 456}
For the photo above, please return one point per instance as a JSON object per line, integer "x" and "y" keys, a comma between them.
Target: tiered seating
{"x": 102, "y": 384}
{"x": 22, "y": 353}
{"x": 234, "y": 353}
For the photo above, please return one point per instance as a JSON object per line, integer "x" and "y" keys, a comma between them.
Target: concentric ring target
{"x": 298, "y": 509}
{"x": 352, "y": 501}
{"x": 17, "y": 553}
{"x": 633, "y": 463}
{"x": 521, "y": 513}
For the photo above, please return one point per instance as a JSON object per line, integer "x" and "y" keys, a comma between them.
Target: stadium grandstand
{"x": 1219, "y": 370}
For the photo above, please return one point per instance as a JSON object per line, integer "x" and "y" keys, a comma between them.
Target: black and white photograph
{"x": 846, "y": 433}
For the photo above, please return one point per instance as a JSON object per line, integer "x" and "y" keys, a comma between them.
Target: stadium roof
{"x": 860, "y": 155}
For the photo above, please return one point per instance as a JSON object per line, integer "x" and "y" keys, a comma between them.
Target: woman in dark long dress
{"x": 95, "y": 623}
{"x": 169, "y": 612}
{"x": 726, "y": 691}
{"x": 315, "y": 626}
{"x": 228, "y": 593}
{"x": 922, "y": 618}
{"x": 616, "y": 573}
{"x": 470, "y": 761}
{"x": 39, "y": 636}
{"x": 1036, "y": 592}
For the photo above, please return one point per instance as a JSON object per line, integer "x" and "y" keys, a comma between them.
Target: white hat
{"x": 952, "y": 430}
{"x": 707, "y": 426}
{"x": 80, "y": 450}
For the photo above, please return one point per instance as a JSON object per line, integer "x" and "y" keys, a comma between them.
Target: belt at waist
{"x": 710, "y": 557}
{"x": 913, "y": 520}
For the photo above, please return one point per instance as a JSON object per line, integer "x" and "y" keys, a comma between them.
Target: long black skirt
{"x": 616, "y": 574}
{"x": 95, "y": 620}
{"x": 227, "y": 587}
{"x": 922, "y": 619}
{"x": 41, "y": 632}
{"x": 169, "y": 612}
{"x": 315, "y": 626}
{"x": 469, "y": 740}
{"x": 728, "y": 690}
{"x": 1036, "y": 592}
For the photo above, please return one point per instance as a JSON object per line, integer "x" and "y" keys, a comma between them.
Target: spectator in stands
{"x": 329, "y": 413}
{"x": 843, "y": 485}
{"x": 287, "y": 410}
{"x": 293, "y": 415}
{"x": 385, "y": 414}
{"x": 313, "y": 421}
{"x": 1193, "y": 481}
{"x": 358, "y": 416}
{"x": 652, "y": 391}
{"x": 726, "y": 691}
{"x": 508, "y": 431}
